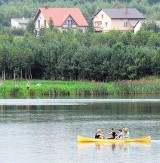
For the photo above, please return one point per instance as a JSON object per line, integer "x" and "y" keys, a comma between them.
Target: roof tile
{"x": 59, "y": 15}
{"x": 121, "y": 13}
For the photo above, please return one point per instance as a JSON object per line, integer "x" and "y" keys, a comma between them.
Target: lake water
{"x": 45, "y": 131}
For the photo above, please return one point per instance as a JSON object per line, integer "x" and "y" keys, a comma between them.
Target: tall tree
{"x": 51, "y": 24}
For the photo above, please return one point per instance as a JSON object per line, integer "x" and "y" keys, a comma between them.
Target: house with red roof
{"x": 61, "y": 18}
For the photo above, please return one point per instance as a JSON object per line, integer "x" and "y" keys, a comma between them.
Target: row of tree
{"x": 74, "y": 55}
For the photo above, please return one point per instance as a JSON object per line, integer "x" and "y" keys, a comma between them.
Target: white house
{"x": 19, "y": 22}
{"x": 157, "y": 23}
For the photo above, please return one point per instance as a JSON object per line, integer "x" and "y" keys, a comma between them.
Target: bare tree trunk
{"x": 21, "y": 74}
{"x": 25, "y": 74}
{"x": 14, "y": 74}
{"x": 4, "y": 75}
{"x": 30, "y": 73}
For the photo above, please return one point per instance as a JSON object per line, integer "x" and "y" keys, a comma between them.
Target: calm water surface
{"x": 48, "y": 133}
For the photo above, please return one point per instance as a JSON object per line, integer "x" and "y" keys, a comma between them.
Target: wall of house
{"x": 81, "y": 28}
{"x": 14, "y": 24}
{"x": 137, "y": 27}
{"x": 121, "y": 24}
{"x": 21, "y": 25}
{"x": 105, "y": 19}
{"x": 42, "y": 24}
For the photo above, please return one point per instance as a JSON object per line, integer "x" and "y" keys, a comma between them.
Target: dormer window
{"x": 69, "y": 23}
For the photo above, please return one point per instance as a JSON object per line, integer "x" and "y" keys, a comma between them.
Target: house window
{"x": 44, "y": 23}
{"x": 39, "y": 23}
{"x": 125, "y": 24}
{"x": 70, "y": 23}
{"x": 102, "y": 15}
{"x": 106, "y": 24}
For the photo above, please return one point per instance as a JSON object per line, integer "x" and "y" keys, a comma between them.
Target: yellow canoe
{"x": 92, "y": 140}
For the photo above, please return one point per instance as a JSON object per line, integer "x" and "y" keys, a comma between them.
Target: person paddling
{"x": 120, "y": 134}
{"x": 99, "y": 135}
{"x": 112, "y": 134}
{"x": 126, "y": 133}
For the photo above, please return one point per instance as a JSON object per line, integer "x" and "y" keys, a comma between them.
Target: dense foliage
{"x": 76, "y": 55}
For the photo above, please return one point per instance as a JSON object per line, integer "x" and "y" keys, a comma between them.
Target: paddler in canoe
{"x": 112, "y": 133}
{"x": 122, "y": 137}
{"x": 126, "y": 133}
{"x": 122, "y": 134}
{"x": 99, "y": 134}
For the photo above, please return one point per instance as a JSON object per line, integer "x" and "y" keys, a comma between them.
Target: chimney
{"x": 126, "y": 10}
{"x": 46, "y": 7}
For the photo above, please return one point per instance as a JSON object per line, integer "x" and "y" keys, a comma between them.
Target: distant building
{"x": 63, "y": 18}
{"x": 122, "y": 19}
{"x": 157, "y": 23}
{"x": 19, "y": 22}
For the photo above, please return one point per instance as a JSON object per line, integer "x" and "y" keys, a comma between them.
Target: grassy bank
{"x": 67, "y": 88}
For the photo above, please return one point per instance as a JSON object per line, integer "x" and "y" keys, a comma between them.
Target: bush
{"x": 16, "y": 91}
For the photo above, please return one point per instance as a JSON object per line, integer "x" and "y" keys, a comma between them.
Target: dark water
{"x": 48, "y": 133}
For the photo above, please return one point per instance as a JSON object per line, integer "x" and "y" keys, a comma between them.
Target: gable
{"x": 69, "y": 21}
{"x": 101, "y": 15}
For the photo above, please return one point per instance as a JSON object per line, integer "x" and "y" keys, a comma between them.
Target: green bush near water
{"x": 68, "y": 88}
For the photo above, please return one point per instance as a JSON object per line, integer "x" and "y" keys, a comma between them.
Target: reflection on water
{"x": 113, "y": 146}
{"x": 48, "y": 133}
{"x": 71, "y": 101}
{"x": 122, "y": 152}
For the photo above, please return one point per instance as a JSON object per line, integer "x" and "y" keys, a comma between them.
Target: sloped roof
{"x": 21, "y": 20}
{"x": 59, "y": 15}
{"x": 123, "y": 13}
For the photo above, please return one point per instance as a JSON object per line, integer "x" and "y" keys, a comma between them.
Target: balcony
{"x": 98, "y": 26}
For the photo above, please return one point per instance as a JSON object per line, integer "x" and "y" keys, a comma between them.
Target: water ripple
{"x": 70, "y": 101}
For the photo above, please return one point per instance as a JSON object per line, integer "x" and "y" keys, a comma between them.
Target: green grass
{"x": 67, "y": 88}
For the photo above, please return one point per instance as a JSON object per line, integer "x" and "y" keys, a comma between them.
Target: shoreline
{"x": 79, "y": 88}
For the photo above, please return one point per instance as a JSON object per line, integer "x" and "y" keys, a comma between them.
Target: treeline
{"x": 27, "y": 8}
{"x": 74, "y": 55}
